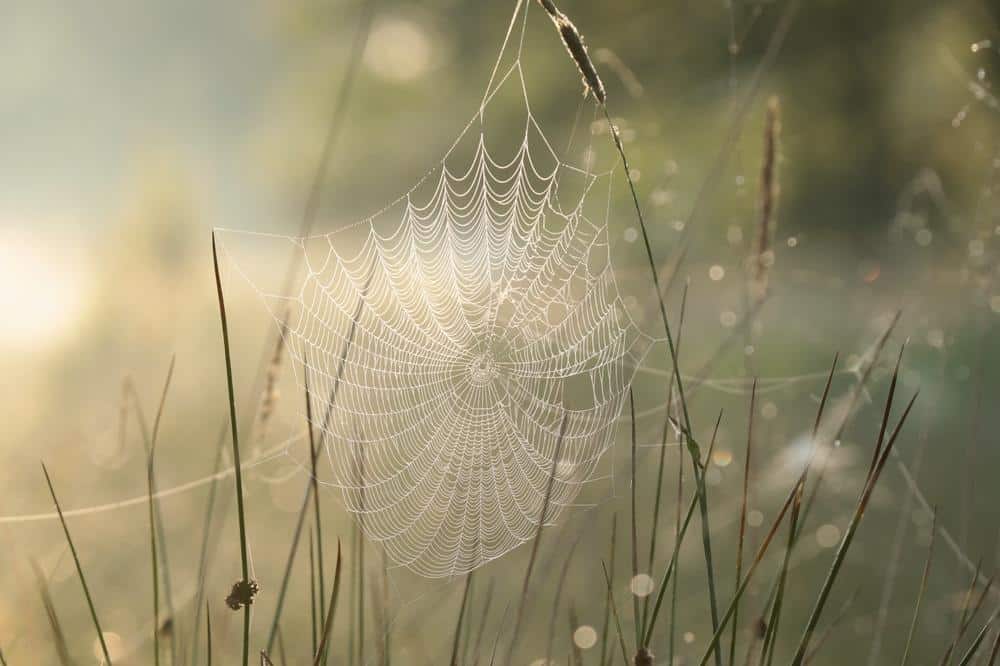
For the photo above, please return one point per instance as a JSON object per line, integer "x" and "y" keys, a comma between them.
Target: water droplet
{"x": 716, "y": 273}
{"x": 689, "y": 637}
{"x": 722, "y": 458}
{"x": 923, "y": 237}
{"x": 631, "y": 234}
{"x": 828, "y": 535}
{"x": 641, "y": 585}
{"x": 792, "y": 241}
{"x": 662, "y": 197}
{"x": 585, "y": 637}
{"x": 755, "y": 518}
{"x": 727, "y": 318}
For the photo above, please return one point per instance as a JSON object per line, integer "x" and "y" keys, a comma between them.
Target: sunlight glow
{"x": 42, "y": 294}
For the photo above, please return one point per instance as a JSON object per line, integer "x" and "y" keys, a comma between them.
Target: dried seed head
{"x": 573, "y": 41}
{"x": 242, "y": 594}
{"x": 643, "y": 657}
{"x": 769, "y": 191}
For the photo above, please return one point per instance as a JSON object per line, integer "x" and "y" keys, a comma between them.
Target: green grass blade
{"x": 713, "y": 646}
{"x": 208, "y": 632}
{"x": 819, "y": 642}
{"x": 995, "y": 651}
{"x": 971, "y": 652}
{"x": 614, "y": 612}
{"x": 743, "y": 519}
{"x": 636, "y": 616}
{"x": 655, "y": 520}
{"x": 79, "y": 568}
{"x": 496, "y": 641}
{"x": 701, "y": 492}
{"x": 771, "y": 636}
{"x": 847, "y": 539}
{"x": 923, "y": 588}
{"x": 151, "y": 492}
{"x": 314, "y": 474}
{"x": 149, "y": 442}
{"x": 481, "y": 629}
{"x": 312, "y": 596}
{"x": 206, "y": 531}
{"x": 560, "y": 584}
{"x": 458, "y": 623}
{"x": 536, "y": 542}
{"x": 324, "y": 645}
{"x": 237, "y": 465}
{"x": 58, "y": 637}
{"x": 671, "y": 567}
{"x": 605, "y": 630}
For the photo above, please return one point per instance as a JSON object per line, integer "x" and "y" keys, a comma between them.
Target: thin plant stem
{"x": 743, "y": 518}
{"x": 324, "y": 645}
{"x": 614, "y": 612}
{"x": 79, "y": 568}
{"x": 925, "y": 576}
{"x": 607, "y": 599}
{"x": 314, "y": 474}
{"x": 237, "y": 465}
{"x": 536, "y": 542}
{"x": 151, "y": 491}
{"x": 847, "y": 539}
{"x": 636, "y": 617}
{"x": 458, "y": 623}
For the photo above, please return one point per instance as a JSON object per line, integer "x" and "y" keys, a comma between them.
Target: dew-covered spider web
{"x": 450, "y": 338}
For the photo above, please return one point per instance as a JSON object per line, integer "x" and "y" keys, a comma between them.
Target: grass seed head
{"x": 573, "y": 41}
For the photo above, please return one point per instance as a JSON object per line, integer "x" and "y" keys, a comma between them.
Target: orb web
{"x": 447, "y": 338}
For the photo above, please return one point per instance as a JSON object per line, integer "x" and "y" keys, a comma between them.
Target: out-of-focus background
{"x": 130, "y": 129}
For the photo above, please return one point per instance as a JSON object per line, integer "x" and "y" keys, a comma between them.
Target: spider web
{"x": 448, "y": 337}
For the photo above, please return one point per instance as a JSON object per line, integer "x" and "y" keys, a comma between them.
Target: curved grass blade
{"x": 79, "y": 569}
{"x": 237, "y": 465}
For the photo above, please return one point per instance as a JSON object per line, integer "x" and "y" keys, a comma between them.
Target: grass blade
{"x": 536, "y": 542}
{"x": 481, "y": 630}
{"x": 655, "y": 521}
{"x": 312, "y": 596}
{"x": 79, "y": 568}
{"x": 458, "y": 622}
{"x": 770, "y": 636}
{"x": 636, "y": 617}
{"x": 848, "y": 538}
{"x": 671, "y": 567}
{"x": 58, "y": 637}
{"x": 208, "y": 632}
{"x": 743, "y": 518}
{"x": 237, "y": 465}
{"x": 315, "y": 485}
{"x": 206, "y": 531}
{"x": 923, "y": 588}
{"x": 996, "y": 650}
{"x": 607, "y": 600}
{"x": 324, "y": 644}
{"x": 559, "y": 589}
{"x": 151, "y": 491}
{"x": 614, "y": 612}
{"x": 971, "y": 652}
